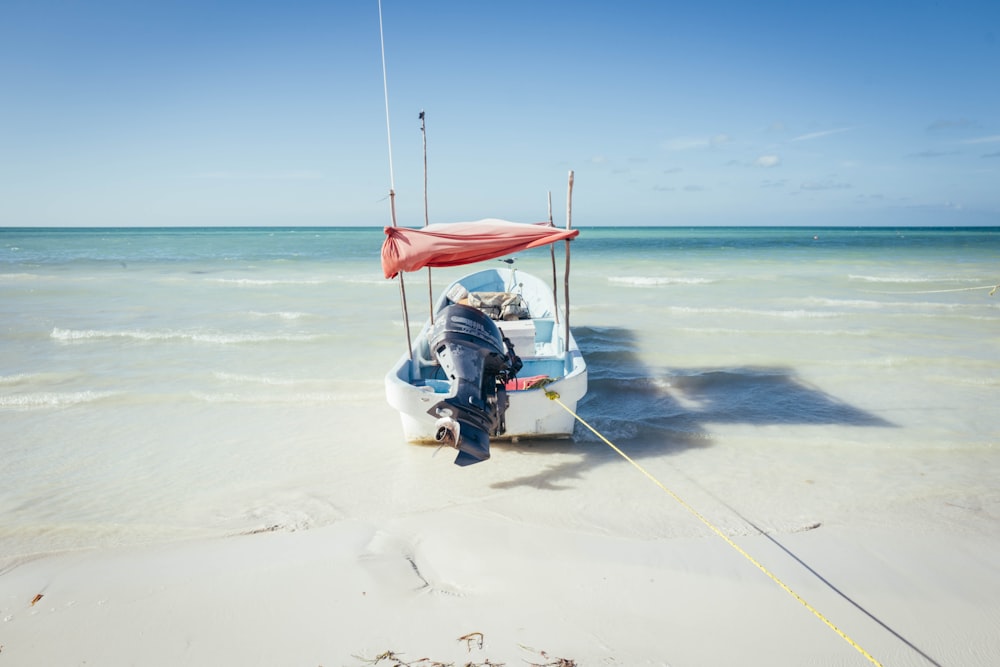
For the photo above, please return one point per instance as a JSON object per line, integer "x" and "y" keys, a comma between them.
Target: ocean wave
{"x": 873, "y": 304}
{"x": 376, "y": 280}
{"x": 281, "y": 315}
{"x": 888, "y": 361}
{"x": 271, "y": 282}
{"x": 21, "y": 277}
{"x": 52, "y": 399}
{"x": 908, "y": 280}
{"x": 844, "y": 303}
{"x": 17, "y": 378}
{"x": 71, "y": 335}
{"x": 861, "y": 333}
{"x": 303, "y": 398}
{"x": 48, "y": 378}
{"x": 795, "y": 314}
{"x": 239, "y": 378}
{"x": 976, "y": 382}
{"x": 653, "y": 281}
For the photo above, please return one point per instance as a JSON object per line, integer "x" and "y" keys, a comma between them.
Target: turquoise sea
{"x": 162, "y": 384}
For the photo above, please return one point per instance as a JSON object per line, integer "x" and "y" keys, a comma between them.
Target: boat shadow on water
{"x": 650, "y": 412}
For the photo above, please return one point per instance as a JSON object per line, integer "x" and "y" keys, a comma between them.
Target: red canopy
{"x": 458, "y": 243}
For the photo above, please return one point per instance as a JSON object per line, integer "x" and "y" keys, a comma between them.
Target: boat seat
{"x": 501, "y": 306}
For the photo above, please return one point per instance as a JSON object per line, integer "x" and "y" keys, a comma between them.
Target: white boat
{"x": 480, "y": 368}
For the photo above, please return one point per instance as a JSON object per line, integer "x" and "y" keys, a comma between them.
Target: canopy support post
{"x": 430, "y": 285}
{"x": 552, "y": 254}
{"x": 402, "y": 285}
{"x": 569, "y": 225}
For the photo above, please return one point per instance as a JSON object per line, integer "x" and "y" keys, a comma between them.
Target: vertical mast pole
{"x": 430, "y": 286}
{"x": 552, "y": 255}
{"x": 569, "y": 225}
{"x": 392, "y": 179}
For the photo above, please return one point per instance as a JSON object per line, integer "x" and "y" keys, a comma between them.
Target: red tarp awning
{"x": 458, "y": 243}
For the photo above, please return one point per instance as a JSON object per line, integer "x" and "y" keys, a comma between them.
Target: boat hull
{"x": 530, "y": 412}
{"x": 415, "y": 384}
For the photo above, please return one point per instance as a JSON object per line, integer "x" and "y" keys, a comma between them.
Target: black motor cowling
{"x": 470, "y": 349}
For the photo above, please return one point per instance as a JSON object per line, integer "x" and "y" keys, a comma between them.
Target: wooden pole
{"x": 430, "y": 285}
{"x": 569, "y": 225}
{"x": 555, "y": 279}
{"x": 402, "y": 285}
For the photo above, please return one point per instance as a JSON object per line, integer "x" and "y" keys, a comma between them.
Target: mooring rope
{"x": 555, "y": 397}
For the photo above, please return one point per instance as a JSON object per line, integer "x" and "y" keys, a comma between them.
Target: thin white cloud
{"x": 824, "y": 185}
{"x": 945, "y": 124}
{"x": 767, "y": 161}
{"x": 983, "y": 140}
{"x": 932, "y": 153}
{"x": 691, "y": 143}
{"x": 685, "y": 144}
{"x": 692, "y": 187}
{"x": 824, "y": 133}
{"x": 259, "y": 176}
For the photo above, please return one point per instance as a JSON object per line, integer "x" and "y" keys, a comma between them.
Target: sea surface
{"x": 165, "y": 384}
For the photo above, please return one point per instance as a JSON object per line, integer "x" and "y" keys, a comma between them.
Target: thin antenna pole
{"x": 392, "y": 179}
{"x": 552, "y": 254}
{"x": 423, "y": 131}
{"x": 569, "y": 225}
{"x": 430, "y": 285}
{"x": 388, "y": 129}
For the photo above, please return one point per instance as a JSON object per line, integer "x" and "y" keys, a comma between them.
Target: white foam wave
{"x": 69, "y": 335}
{"x": 47, "y": 378}
{"x": 872, "y": 304}
{"x": 20, "y": 277}
{"x": 906, "y": 280}
{"x": 895, "y": 362}
{"x": 52, "y": 399}
{"x": 977, "y": 382}
{"x": 795, "y": 314}
{"x": 256, "y": 379}
{"x": 281, "y": 315}
{"x": 655, "y": 281}
{"x": 17, "y": 378}
{"x": 260, "y": 282}
{"x": 776, "y": 332}
{"x": 304, "y": 398}
{"x": 356, "y": 280}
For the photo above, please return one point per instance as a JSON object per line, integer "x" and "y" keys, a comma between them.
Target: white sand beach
{"x": 576, "y": 565}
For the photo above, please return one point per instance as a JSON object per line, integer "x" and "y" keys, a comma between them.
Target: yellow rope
{"x": 555, "y": 397}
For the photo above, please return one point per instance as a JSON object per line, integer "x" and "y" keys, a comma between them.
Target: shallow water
{"x": 165, "y": 384}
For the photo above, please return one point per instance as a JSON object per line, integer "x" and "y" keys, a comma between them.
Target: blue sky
{"x": 708, "y": 113}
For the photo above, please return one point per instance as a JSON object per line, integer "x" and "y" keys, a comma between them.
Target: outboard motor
{"x": 470, "y": 349}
